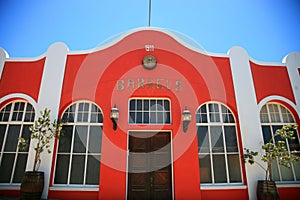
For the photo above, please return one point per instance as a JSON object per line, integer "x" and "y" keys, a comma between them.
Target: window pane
{"x": 26, "y": 135}
{"x": 62, "y": 169}
{"x": 264, "y": 117}
{"x": 2, "y": 133}
{"x": 214, "y": 113}
{"x": 152, "y": 117}
{"x": 6, "y": 167}
{"x": 286, "y": 115}
{"x": 234, "y": 168}
{"x": 274, "y": 171}
{"x": 132, "y": 104}
{"x": 297, "y": 170}
{"x": 29, "y": 115}
{"x": 230, "y": 138}
{"x": 20, "y": 168}
{"x": 139, "y": 104}
{"x": 146, "y": 117}
{"x": 4, "y": 113}
{"x": 219, "y": 169}
{"x": 160, "y": 105}
{"x": 93, "y": 170}
{"x": 216, "y": 139}
{"x": 266, "y": 134}
{"x": 65, "y": 141}
{"x": 12, "y": 138}
{"x": 139, "y": 118}
{"x": 95, "y": 139}
{"x": 168, "y": 118}
{"x": 166, "y": 104}
{"x": 77, "y": 170}
{"x": 205, "y": 169}
{"x": 286, "y": 173}
{"x": 160, "y": 117}
{"x": 80, "y": 139}
{"x": 203, "y": 144}
{"x": 294, "y": 144}
{"x": 274, "y": 113}
{"x": 132, "y": 117}
{"x": 146, "y": 105}
{"x": 153, "y": 105}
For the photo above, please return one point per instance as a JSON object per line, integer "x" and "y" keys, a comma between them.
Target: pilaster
{"x": 248, "y": 112}
{"x": 49, "y": 97}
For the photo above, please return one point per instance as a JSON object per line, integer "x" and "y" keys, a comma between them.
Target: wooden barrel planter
{"x": 267, "y": 190}
{"x": 32, "y": 185}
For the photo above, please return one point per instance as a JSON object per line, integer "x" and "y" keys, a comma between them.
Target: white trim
{"x": 223, "y": 187}
{"x": 172, "y": 160}
{"x": 274, "y": 98}
{"x": 73, "y": 188}
{"x": 21, "y": 96}
{"x": 174, "y": 34}
{"x": 288, "y": 185}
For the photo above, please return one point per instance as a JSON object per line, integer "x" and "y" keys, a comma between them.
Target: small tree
{"x": 43, "y": 131}
{"x": 275, "y": 149}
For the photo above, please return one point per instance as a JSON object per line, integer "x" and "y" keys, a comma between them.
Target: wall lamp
{"x": 114, "y": 116}
{"x": 186, "y": 119}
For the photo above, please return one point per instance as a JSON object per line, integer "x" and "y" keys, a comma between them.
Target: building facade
{"x": 152, "y": 77}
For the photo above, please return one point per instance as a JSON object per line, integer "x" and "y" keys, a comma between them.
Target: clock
{"x": 149, "y": 62}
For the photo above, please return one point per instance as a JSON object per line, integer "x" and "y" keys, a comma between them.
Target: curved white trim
{"x": 280, "y": 98}
{"x": 263, "y": 63}
{"x": 82, "y": 101}
{"x": 20, "y": 95}
{"x": 117, "y": 38}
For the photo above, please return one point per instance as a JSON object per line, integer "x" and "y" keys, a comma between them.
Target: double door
{"x": 149, "y": 166}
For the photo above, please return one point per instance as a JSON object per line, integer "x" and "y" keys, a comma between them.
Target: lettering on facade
{"x": 149, "y": 47}
{"x": 149, "y": 83}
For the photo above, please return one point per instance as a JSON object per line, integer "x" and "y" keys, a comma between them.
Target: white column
{"x": 3, "y": 56}
{"x": 49, "y": 97}
{"x": 248, "y": 113}
{"x": 292, "y": 61}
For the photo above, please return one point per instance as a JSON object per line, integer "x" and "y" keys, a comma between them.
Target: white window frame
{"x": 20, "y": 123}
{"x": 130, "y": 121}
{"x": 279, "y": 122}
{"x": 86, "y": 153}
{"x": 225, "y": 153}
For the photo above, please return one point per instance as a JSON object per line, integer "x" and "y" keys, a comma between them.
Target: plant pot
{"x": 32, "y": 185}
{"x": 267, "y": 190}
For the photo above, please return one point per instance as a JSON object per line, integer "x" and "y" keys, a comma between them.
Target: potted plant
{"x": 275, "y": 149}
{"x": 42, "y": 131}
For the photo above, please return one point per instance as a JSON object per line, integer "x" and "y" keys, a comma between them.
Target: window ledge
{"x": 10, "y": 187}
{"x": 223, "y": 187}
{"x": 287, "y": 185}
{"x": 74, "y": 188}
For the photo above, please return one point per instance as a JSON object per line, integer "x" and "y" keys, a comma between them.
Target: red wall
{"x": 22, "y": 77}
{"x": 271, "y": 80}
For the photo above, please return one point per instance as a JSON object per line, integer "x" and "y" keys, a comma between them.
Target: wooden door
{"x": 149, "y": 166}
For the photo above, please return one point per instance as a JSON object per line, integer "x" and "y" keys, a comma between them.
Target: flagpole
{"x": 149, "y": 14}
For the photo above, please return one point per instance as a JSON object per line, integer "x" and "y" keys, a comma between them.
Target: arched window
{"x": 79, "y": 149}
{"x": 273, "y": 116}
{"x": 15, "y": 120}
{"x": 218, "y": 149}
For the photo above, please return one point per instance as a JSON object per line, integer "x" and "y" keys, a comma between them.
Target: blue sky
{"x": 267, "y": 29}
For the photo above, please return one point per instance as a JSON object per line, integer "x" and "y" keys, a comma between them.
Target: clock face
{"x": 149, "y": 62}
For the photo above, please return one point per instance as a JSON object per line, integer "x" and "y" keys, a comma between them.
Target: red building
{"x": 152, "y": 78}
